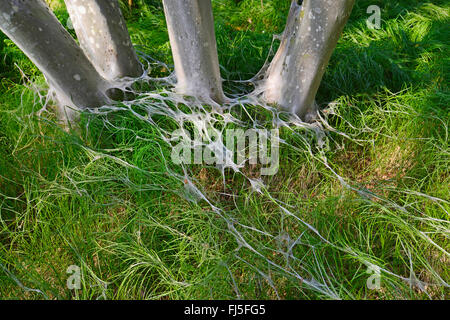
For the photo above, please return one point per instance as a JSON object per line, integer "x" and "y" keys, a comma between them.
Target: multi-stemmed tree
{"x": 84, "y": 75}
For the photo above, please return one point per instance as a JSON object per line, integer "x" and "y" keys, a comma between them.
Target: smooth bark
{"x": 103, "y": 35}
{"x": 37, "y": 32}
{"x": 311, "y": 35}
{"x": 193, "y": 42}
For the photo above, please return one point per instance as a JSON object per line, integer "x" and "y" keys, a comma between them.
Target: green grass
{"x": 100, "y": 197}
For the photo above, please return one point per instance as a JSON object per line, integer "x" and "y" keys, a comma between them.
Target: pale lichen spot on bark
{"x": 81, "y": 10}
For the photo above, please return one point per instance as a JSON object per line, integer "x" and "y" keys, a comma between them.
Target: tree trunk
{"x": 311, "y": 35}
{"x": 103, "y": 35}
{"x": 37, "y": 32}
{"x": 194, "y": 48}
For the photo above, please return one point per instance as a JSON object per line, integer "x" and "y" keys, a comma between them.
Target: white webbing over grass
{"x": 272, "y": 253}
{"x": 310, "y": 271}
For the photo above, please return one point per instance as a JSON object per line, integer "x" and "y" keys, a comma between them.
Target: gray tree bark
{"x": 37, "y": 32}
{"x": 311, "y": 35}
{"x": 194, "y": 48}
{"x": 103, "y": 35}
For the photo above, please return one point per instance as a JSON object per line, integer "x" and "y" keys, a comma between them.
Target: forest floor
{"x": 88, "y": 200}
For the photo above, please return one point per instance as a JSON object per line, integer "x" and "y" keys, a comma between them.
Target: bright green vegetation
{"x": 72, "y": 198}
